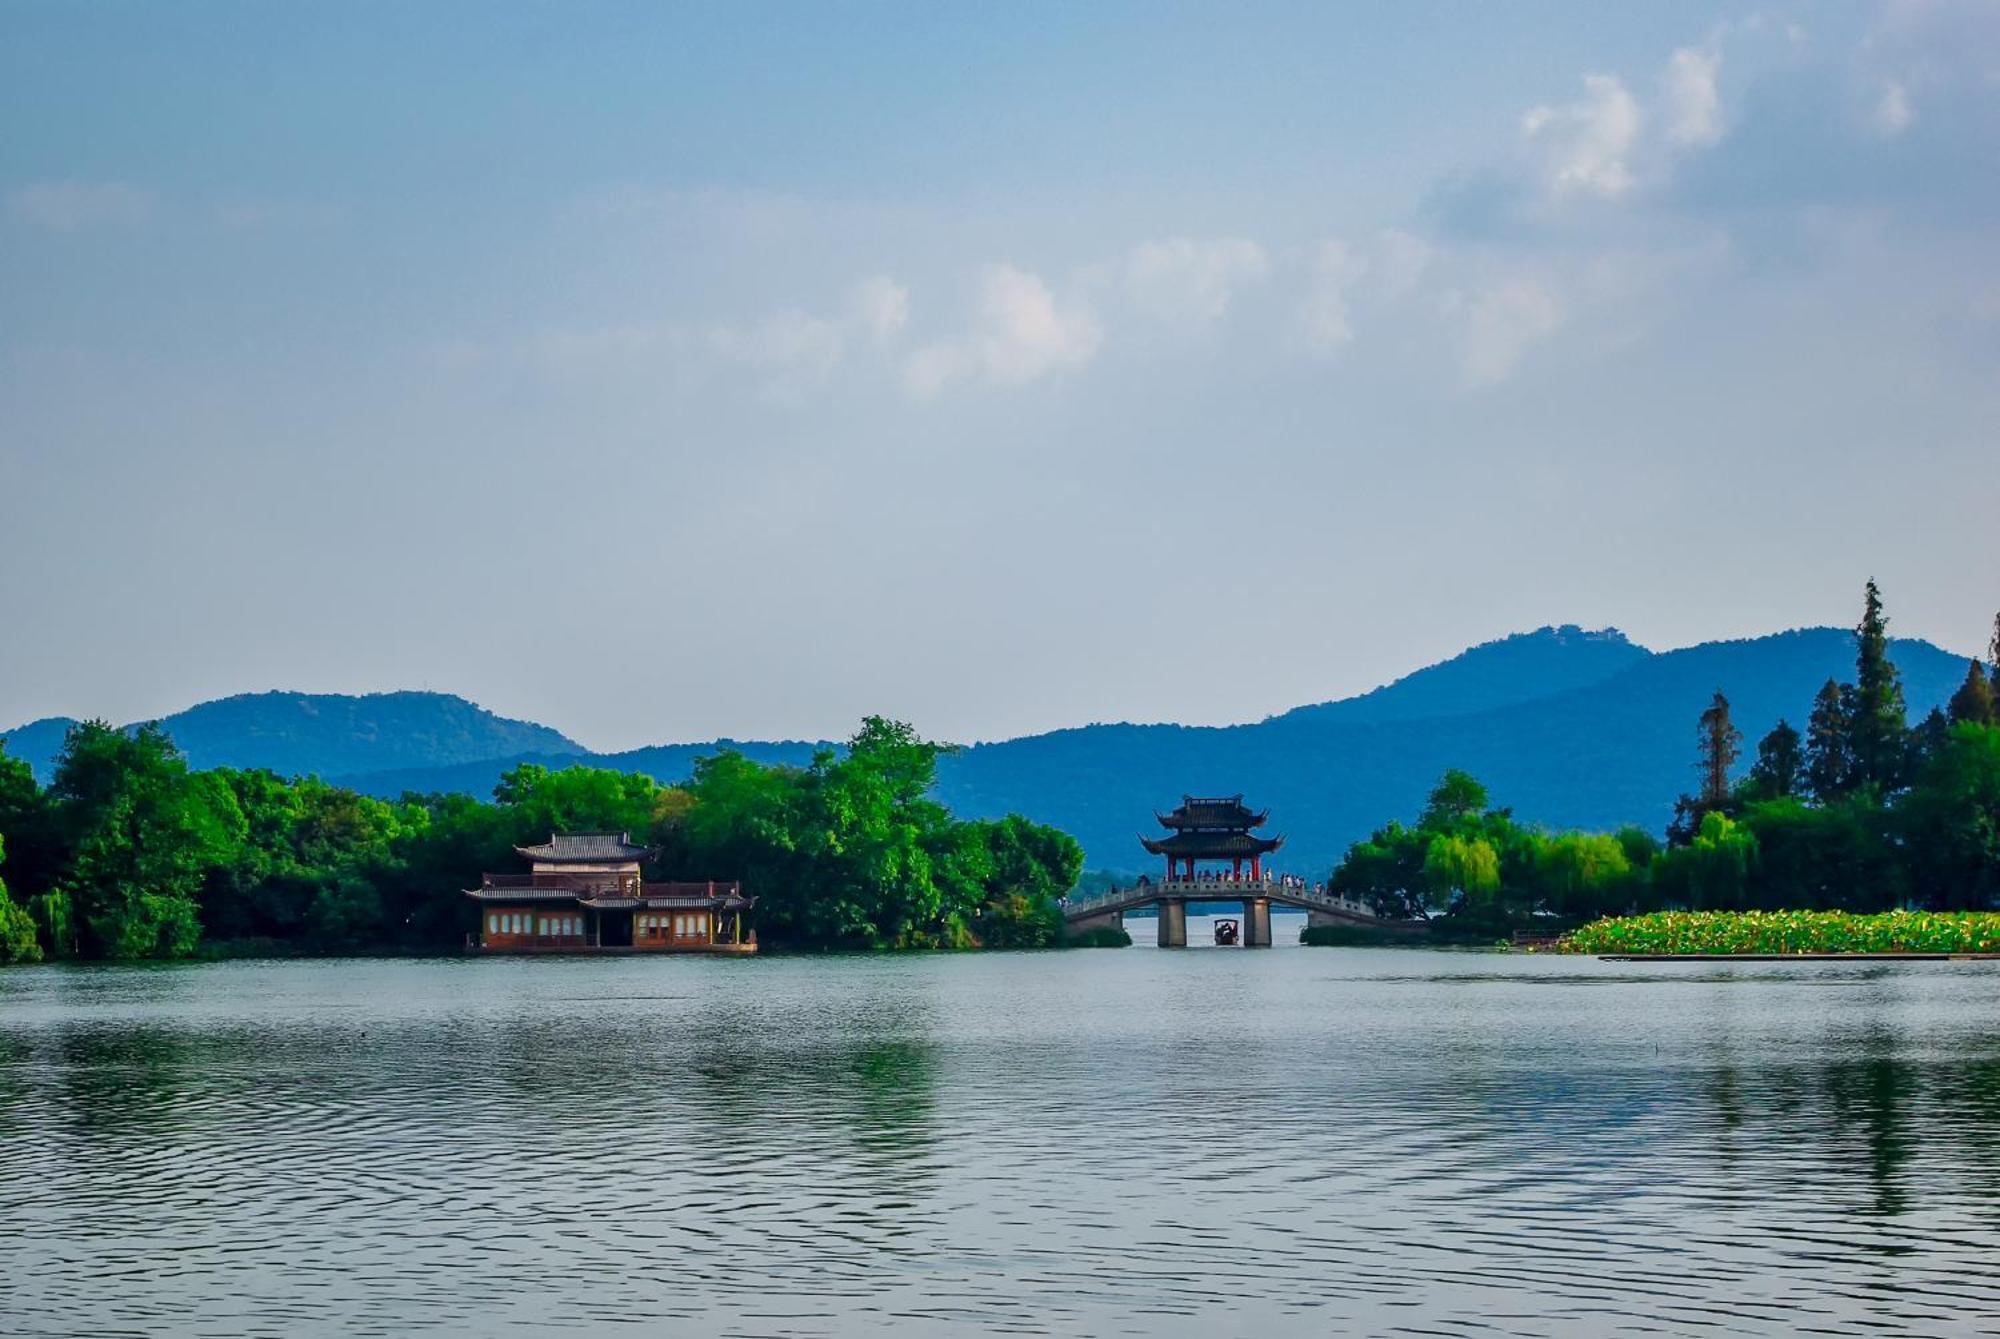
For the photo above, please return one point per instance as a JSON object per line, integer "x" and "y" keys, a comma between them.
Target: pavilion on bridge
{"x": 1213, "y": 830}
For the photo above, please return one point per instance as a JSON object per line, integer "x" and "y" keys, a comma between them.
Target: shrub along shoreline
{"x": 1725, "y": 934}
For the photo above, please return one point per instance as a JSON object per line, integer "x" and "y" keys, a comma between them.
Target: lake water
{"x": 1214, "y": 1142}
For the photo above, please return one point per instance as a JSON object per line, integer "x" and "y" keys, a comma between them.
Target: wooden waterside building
{"x": 584, "y": 894}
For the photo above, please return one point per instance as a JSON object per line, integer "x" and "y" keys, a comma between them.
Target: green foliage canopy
{"x": 138, "y": 856}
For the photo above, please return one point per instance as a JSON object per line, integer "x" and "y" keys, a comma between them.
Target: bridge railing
{"x": 1214, "y": 890}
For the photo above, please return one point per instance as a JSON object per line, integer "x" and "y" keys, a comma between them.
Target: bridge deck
{"x": 1216, "y": 890}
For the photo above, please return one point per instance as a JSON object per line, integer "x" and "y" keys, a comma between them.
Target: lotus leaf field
{"x": 1767, "y": 932}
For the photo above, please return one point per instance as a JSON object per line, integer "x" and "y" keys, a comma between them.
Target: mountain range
{"x": 1570, "y": 728}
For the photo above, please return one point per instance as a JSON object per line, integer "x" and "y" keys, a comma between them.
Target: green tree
{"x": 1712, "y": 872}
{"x": 143, "y": 833}
{"x": 18, "y": 942}
{"x": 1831, "y": 771}
{"x": 34, "y": 848}
{"x": 1928, "y": 739}
{"x": 1457, "y": 798}
{"x": 1780, "y": 767}
{"x": 1585, "y": 874}
{"x": 1720, "y": 743}
{"x": 1950, "y": 822}
{"x": 1973, "y": 703}
{"x": 1878, "y": 728}
{"x": 1386, "y": 871}
{"x": 1028, "y": 869}
{"x": 1993, "y": 658}
{"x": 1835, "y": 857}
{"x": 1457, "y": 867}
{"x": 1641, "y": 847}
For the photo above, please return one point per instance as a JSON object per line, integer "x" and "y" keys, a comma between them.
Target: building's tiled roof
{"x": 1213, "y": 845}
{"x": 586, "y": 846}
{"x": 1226, "y": 811}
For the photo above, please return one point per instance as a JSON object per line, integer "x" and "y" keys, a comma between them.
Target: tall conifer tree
{"x": 1829, "y": 763}
{"x": 1721, "y": 743}
{"x": 1973, "y": 703}
{"x": 1993, "y": 657}
{"x": 1780, "y": 765}
{"x": 1878, "y": 730}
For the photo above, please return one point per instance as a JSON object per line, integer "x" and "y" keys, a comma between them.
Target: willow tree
{"x": 1461, "y": 867}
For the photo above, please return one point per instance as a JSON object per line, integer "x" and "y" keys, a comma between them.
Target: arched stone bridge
{"x": 1256, "y": 895}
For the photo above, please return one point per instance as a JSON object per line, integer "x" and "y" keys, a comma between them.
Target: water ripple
{"x": 1294, "y": 1142}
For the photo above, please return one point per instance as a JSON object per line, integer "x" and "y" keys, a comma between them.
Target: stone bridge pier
{"x": 1256, "y": 896}
{"x": 1173, "y": 923}
{"x": 1256, "y": 922}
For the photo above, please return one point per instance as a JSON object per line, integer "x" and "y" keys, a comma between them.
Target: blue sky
{"x": 666, "y": 372}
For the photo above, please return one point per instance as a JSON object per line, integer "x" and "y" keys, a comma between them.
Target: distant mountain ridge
{"x": 326, "y": 734}
{"x": 1569, "y": 727}
{"x": 1513, "y": 669}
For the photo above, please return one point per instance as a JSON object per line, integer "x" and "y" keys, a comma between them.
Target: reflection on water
{"x": 1209, "y": 1142}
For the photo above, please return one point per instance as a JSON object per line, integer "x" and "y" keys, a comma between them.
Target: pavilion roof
{"x": 1212, "y": 845}
{"x": 568, "y": 846}
{"x": 1227, "y": 812}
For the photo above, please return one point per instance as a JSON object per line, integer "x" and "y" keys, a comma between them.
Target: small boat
{"x": 1225, "y": 933}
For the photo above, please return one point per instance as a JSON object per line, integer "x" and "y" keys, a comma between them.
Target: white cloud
{"x": 1893, "y": 113}
{"x": 791, "y": 348}
{"x": 1588, "y": 141}
{"x": 795, "y": 349}
{"x": 1400, "y": 261}
{"x": 1339, "y": 276}
{"x": 1325, "y": 317}
{"x": 1189, "y": 283}
{"x": 881, "y": 307}
{"x": 1022, "y": 333}
{"x": 77, "y": 204}
{"x": 1499, "y": 325}
{"x": 1694, "y": 108}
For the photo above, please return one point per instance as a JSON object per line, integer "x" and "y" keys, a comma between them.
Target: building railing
{"x": 690, "y": 889}
{"x": 569, "y": 883}
{"x": 615, "y": 885}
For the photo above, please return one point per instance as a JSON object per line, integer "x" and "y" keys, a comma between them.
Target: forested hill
{"x": 327, "y": 734}
{"x": 1569, "y": 727}
{"x": 1596, "y": 754}
{"x": 1514, "y": 669}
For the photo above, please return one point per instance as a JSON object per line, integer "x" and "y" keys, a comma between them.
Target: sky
{"x": 666, "y": 372}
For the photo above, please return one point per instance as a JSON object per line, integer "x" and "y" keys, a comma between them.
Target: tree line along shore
{"x": 1861, "y": 812}
{"x": 129, "y": 853}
